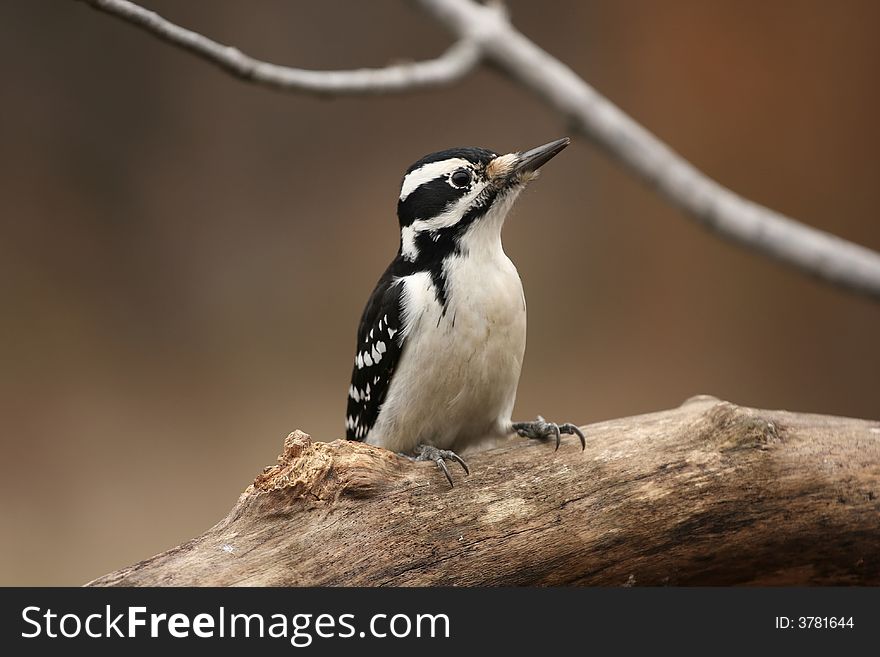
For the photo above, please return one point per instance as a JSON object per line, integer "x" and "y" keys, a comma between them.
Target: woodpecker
{"x": 441, "y": 340}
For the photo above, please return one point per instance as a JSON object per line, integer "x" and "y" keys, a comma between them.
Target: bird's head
{"x": 447, "y": 194}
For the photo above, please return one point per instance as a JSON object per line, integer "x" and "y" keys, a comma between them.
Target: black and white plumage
{"x": 379, "y": 348}
{"x": 442, "y": 338}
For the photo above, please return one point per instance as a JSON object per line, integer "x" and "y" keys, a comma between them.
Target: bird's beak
{"x": 532, "y": 160}
{"x": 519, "y": 168}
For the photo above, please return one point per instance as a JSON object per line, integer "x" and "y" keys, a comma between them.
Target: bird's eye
{"x": 460, "y": 178}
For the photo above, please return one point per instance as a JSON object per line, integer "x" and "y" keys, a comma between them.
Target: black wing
{"x": 379, "y": 346}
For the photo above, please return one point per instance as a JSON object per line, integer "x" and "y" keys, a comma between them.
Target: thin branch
{"x": 485, "y": 31}
{"x": 450, "y": 67}
{"x": 813, "y": 251}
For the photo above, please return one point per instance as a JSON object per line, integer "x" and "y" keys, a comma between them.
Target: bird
{"x": 441, "y": 340}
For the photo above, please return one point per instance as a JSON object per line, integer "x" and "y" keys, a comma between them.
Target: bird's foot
{"x": 540, "y": 429}
{"x": 439, "y": 456}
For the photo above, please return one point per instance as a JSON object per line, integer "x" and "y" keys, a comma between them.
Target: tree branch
{"x": 812, "y": 251}
{"x": 485, "y": 32}
{"x": 451, "y": 66}
{"x": 707, "y": 493}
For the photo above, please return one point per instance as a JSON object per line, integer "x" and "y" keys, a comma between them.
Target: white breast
{"x": 457, "y": 379}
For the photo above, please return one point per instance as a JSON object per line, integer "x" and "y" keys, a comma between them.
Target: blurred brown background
{"x": 184, "y": 257}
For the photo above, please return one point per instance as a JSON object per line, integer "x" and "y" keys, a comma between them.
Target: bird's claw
{"x": 540, "y": 429}
{"x": 440, "y": 456}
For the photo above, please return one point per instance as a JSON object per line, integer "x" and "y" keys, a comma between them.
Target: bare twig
{"x": 451, "y": 66}
{"x": 813, "y": 251}
{"x": 485, "y": 32}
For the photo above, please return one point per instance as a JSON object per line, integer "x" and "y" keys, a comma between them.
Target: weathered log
{"x": 707, "y": 493}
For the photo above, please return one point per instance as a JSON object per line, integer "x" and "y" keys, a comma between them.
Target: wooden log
{"x": 705, "y": 494}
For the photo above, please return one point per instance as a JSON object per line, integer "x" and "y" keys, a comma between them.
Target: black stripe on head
{"x": 477, "y": 156}
{"x": 428, "y": 200}
{"x": 434, "y": 196}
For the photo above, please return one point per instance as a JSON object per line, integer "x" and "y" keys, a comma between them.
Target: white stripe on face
{"x": 428, "y": 172}
{"x": 408, "y": 247}
{"x": 452, "y": 215}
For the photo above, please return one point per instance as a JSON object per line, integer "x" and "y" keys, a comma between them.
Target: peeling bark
{"x": 705, "y": 494}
